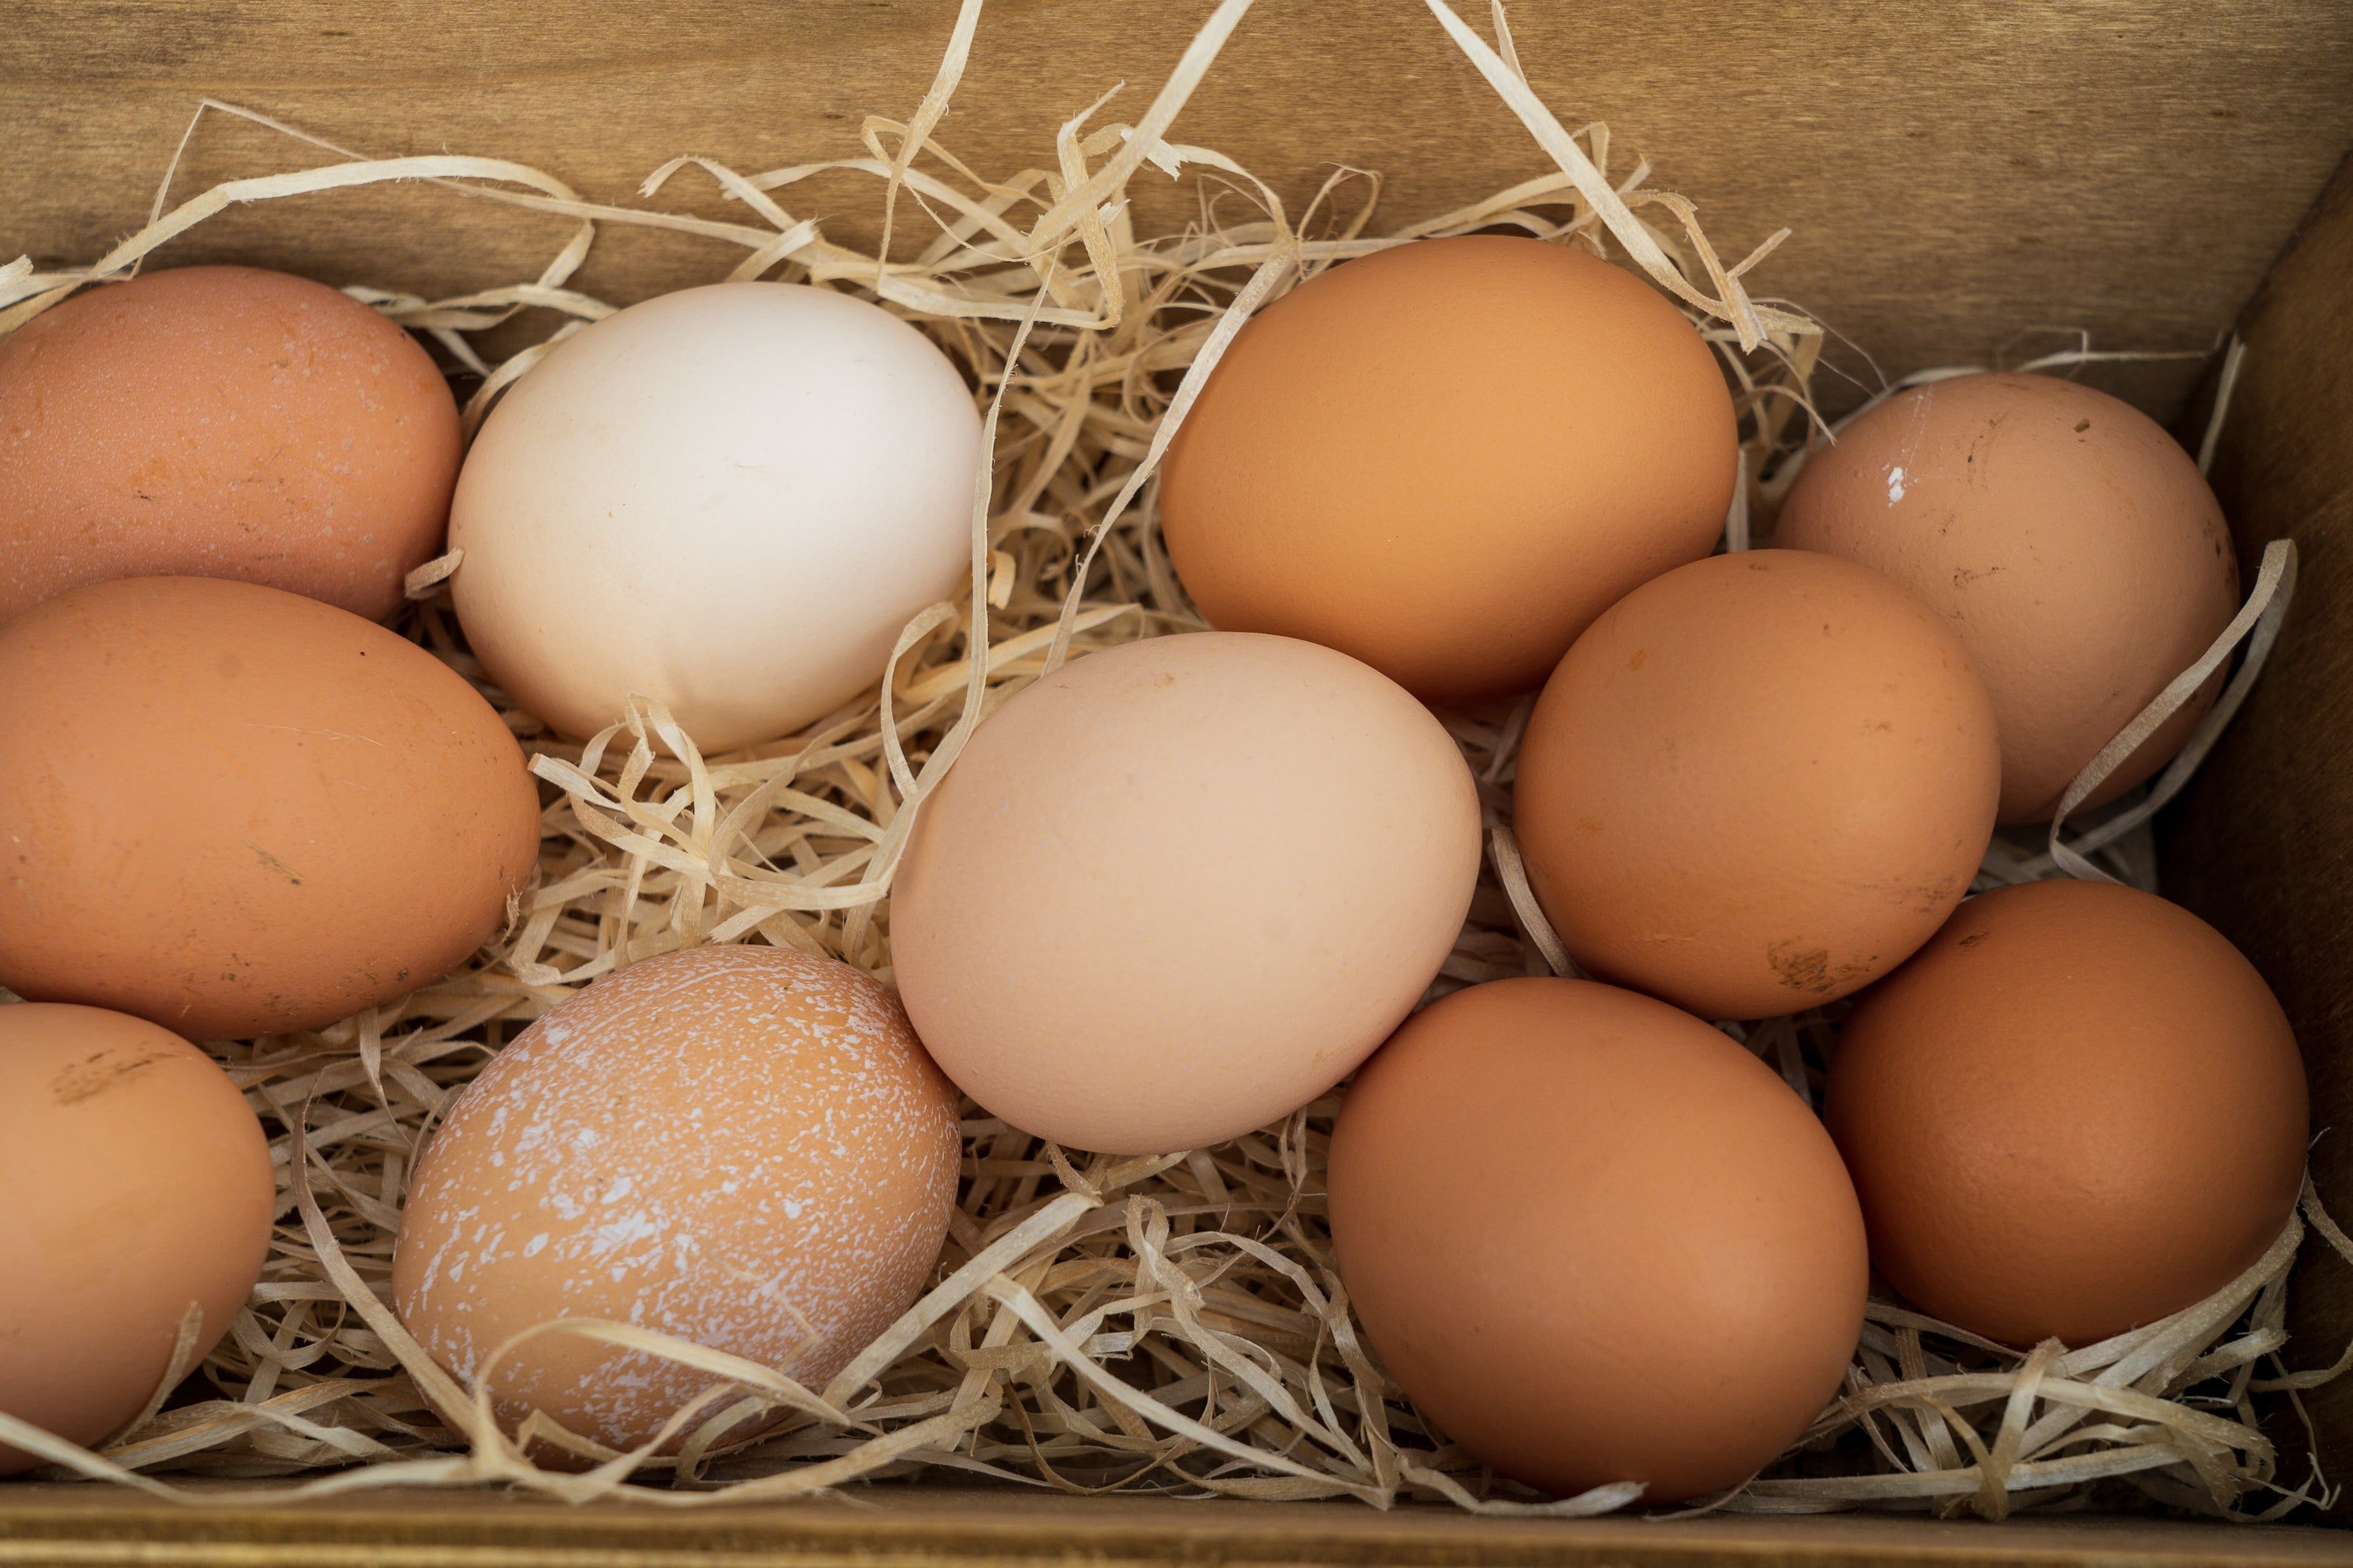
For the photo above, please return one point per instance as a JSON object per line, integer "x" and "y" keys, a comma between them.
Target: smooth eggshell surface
{"x": 1447, "y": 457}
{"x": 1758, "y": 784}
{"x": 1595, "y": 1240}
{"x": 1178, "y": 888}
{"x": 2070, "y": 542}
{"x": 137, "y": 1182}
{"x": 2077, "y": 1110}
{"x": 730, "y": 500}
{"x": 742, "y": 1147}
{"x": 235, "y": 811}
{"x": 221, "y": 422}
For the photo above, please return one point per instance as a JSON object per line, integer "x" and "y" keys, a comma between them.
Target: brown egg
{"x": 1758, "y": 784}
{"x": 742, "y": 1147}
{"x": 138, "y": 1184}
{"x": 2071, "y": 542}
{"x": 1594, "y": 1240}
{"x": 1446, "y": 458}
{"x": 2074, "y": 1111}
{"x": 235, "y": 811}
{"x": 1179, "y": 889}
{"x": 221, "y": 422}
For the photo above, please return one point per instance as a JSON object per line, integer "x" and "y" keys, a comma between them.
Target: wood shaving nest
{"x": 1145, "y": 1324}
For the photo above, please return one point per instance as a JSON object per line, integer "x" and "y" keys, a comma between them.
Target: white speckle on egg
{"x": 644, "y": 1133}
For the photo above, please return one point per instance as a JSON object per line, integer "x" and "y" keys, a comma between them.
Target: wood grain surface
{"x": 903, "y": 1526}
{"x": 1966, "y": 178}
{"x": 2262, "y": 843}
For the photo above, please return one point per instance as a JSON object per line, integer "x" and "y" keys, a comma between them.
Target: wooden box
{"x": 1957, "y": 173}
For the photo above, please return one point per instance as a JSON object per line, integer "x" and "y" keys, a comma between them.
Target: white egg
{"x": 730, "y": 500}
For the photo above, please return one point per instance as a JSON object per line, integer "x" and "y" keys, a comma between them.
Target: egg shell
{"x": 236, "y": 811}
{"x": 742, "y": 1147}
{"x": 221, "y": 422}
{"x": 1758, "y": 784}
{"x": 2071, "y": 542}
{"x": 1595, "y": 1240}
{"x": 1446, "y": 458}
{"x": 1180, "y": 887}
{"x": 2077, "y": 1110}
{"x": 730, "y": 500}
{"x": 138, "y": 1184}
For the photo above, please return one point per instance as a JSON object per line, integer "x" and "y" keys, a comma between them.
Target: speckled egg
{"x": 743, "y": 1147}
{"x": 221, "y": 422}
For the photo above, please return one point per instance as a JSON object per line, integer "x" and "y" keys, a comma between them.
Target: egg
{"x": 138, "y": 1185}
{"x": 232, "y": 811}
{"x": 221, "y": 422}
{"x": 1594, "y": 1240}
{"x": 1756, "y": 785}
{"x": 2077, "y": 1110}
{"x": 1447, "y": 457}
{"x": 730, "y": 500}
{"x": 2070, "y": 542}
{"x": 1178, "y": 888}
{"x": 742, "y": 1147}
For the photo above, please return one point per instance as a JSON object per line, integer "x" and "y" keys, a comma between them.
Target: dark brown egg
{"x": 2077, "y": 1110}
{"x": 1595, "y": 1240}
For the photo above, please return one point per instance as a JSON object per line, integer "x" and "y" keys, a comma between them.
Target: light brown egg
{"x": 137, "y": 1184}
{"x": 1446, "y": 458}
{"x": 2074, "y": 1111}
{"x": 1595, "y": 1240}
{"x": 742, "y": 1147}
{"x": 1178, "y": 888}
{"x": 1758, "y": 784}
{"x": 235, "y": 811}
{"x": 221, "y": 422}
{"x": 2070, "y": 542}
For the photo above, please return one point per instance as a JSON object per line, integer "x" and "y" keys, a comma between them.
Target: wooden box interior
{"x": 1967, "y": 180}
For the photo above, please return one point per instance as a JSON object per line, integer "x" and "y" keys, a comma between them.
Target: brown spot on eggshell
{"x": 99, "y": 1071}
{"x": 1802, "y": 967}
